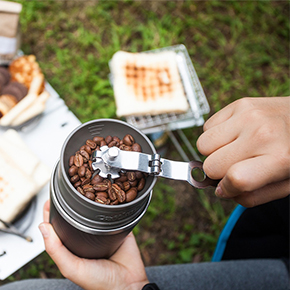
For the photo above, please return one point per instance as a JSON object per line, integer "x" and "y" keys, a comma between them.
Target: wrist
{"x": 138, "y": 285}
{"x": 150, "y": 286}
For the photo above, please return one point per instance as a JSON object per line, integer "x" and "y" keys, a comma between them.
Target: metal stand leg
{"x": 187, "y": 144}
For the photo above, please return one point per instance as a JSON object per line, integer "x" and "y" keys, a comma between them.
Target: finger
{"x": 218, "y": 163}
{"x": 46, "y": 211}
{"x": 265, "y": 194}
{"x": 64, "y": 259}
{"x": 219, "y": 117}
{"x": 250, "y": 175}
{"x": 217, "y": 137}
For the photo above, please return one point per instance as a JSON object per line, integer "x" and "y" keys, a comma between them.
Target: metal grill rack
{"x": 198, "y": 105}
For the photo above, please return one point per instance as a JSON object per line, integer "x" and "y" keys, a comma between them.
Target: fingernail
{"x": 219, "y": 192}
{"x": 44, "y": 230}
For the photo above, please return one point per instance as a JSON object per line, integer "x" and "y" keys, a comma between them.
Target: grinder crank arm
{"x": 111, "y": 160}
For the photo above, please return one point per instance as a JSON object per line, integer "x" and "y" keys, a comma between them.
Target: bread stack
{"x": 147, "y": 83}
{"x": 22, "y": 94}
{"x": 22, "y": 175}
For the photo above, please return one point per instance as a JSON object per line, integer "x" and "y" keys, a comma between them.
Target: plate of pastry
{"x": 22, "y": 92}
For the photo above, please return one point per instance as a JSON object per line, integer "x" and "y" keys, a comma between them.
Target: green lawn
{"x": 239, "y": 49}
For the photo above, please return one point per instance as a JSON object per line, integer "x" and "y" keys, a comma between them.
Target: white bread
{"x": 147, "y": 83}
{"x": 16, "y": 150}
{"x": 36, "y": 108}
{"x": 22, "y": 175}
{"x": 15, "y": 113}
{"x": 16, "y": 190}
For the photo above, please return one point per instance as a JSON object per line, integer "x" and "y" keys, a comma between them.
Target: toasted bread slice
{"x": 147, "y": 83}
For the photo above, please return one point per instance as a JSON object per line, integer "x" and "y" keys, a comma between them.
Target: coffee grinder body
{"x": 89, "y": 229}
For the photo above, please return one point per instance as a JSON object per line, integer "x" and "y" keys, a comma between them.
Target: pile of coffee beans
{"x": 104, "y": 190}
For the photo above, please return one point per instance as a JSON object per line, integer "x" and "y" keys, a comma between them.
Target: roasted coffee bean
{"x": 115, "y": 138}
{"x": 91, "y": 144}
{"x": 108, "y": 182}
{"x": 78, "y": 160}
{"x": 136, "y": 147}
{"x": 121, "y": 196}
{"x": 80, "y": 190}
{"x": 131, "y": 175}
{"x": 73, "y": 170}
{"x": 119, "y": 193}
{"x": 122, "y": 178}
{"x": 115, "y": 202}
{"x": 75, "y": 178}
{"x": 103, "y": 143}
{"x": 89, "y": 189}
{"x": 77, "y": 184}
{"x": 88, "y": 173}
{"x": 141, "y": 184}
{"x": 85, "y": 154}
{"x": 133, "y": 183}
{"x": 125, "y": 147}
{"x": 98, "y": 139}
{"x": 90, "y": 195}
{"x": 126, "y": 185}
{"x": 88, "y": 149}
{"x": 87, "y": 186}
{"x": 131, "y": 194}
{"x": 108, "y": 139}
{"x": 97, "y": 179}
{"x": 101, "y": 186}
{"x": 86, "y": 181}
{"x": 112, "y": 193}
{"x": 86, "y": 165}
{"x": 90, "y": 165}
{"x": 128, "y": 140}
{"x": 71, "y": 161}
{"x": 139, "y": 174}
{"x": 102, "y": 193}
{"x": 102, "y": 200}
{"x": 82, "y": 171}
{"x": 113, "y": 143}
{"x": 120, "y": 184}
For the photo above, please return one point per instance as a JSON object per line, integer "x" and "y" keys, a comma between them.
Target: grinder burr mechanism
{"x": 109, "y": 162}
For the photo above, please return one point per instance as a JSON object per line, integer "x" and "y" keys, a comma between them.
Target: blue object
{"x": 224, "y": 236}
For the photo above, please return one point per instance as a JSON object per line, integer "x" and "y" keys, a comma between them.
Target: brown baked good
{"x": 147, "y": 83}
{"x": 15, "y": 89}
{"x": 4, "y": 76}
{"x": 24, "y": 69}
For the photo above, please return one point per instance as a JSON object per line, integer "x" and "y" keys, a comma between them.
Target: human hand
{"x": 123, "y": 270}
{"x": 248, "y": 147}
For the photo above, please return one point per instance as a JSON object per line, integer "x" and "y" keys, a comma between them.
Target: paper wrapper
{"x": 9, "y": 30}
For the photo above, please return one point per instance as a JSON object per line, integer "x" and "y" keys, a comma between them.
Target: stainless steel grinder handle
{"x": 113, "y": 158}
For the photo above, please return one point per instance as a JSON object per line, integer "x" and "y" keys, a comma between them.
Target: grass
{"x": 239, "y": 49}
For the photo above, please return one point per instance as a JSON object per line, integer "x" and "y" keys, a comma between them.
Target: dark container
{"x": 89, "y": 229}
